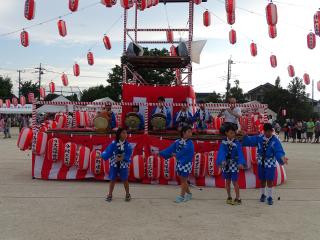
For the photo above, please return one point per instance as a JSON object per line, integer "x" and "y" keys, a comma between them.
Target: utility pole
{"x": 40, "y": 71}
{"x": 19, "y": 79}
{"x": 230, "y": 62}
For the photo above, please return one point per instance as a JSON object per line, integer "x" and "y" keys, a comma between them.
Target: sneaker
{"x": 263, "y": 198}
{"x": 188, "y": 197}
{"x": 179, "y": 199}
{"x": 270, "y": 201}
{"x": 229, "y": 201}
{"x": 128, "y": 197}
{"x": 237, "y": 201}
{"x": 109, "y": 198}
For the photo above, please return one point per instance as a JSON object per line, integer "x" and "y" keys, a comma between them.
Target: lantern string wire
{"x": 49, "y": 20}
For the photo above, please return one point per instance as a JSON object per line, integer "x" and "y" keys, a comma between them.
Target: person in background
{"x": 183, "y": 118}
{"x": 270, "y": 120}
{"x": 202, "y": 117}
{"x": 7, "y": 127}
{"x": 293, "y": 130}
{"x": 113, "y": 122}
{"x": 299, "y": 131}
{"x": 310, "y": 130}
{"x": 317, "y": 131}
{"x": 162, "y": 109}
{"x": 277, "y": 128}
{"x": 304, "y": 131}
{"x": 286, "y": 132}
{"x": 1, "y": 123}
{"x": 231, "y": 115}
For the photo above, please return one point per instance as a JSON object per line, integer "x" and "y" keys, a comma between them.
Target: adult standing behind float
{"x": 231, "y": 115}
{"x": 162, "y": 109}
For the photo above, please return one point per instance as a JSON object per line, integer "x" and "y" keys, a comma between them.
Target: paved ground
{"x": 37, "y": 209}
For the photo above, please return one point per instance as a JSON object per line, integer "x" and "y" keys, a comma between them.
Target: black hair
{"x": 229, "y": 128}
{"x": 161, "y": 99}
{"x": 267, "y": 127}
{"x": 184, "y": 129}
{"x": 118, "y": 133}
{"x": 201, "y": 102}
{"x": 135, "y": 107}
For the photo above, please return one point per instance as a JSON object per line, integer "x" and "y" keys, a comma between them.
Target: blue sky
{"x": 86, "y": 29}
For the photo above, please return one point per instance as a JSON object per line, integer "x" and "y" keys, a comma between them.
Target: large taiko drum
{"x": 158, "y": 121}
{"x": 102, "y": 121}
{"x": 132, "y": 121}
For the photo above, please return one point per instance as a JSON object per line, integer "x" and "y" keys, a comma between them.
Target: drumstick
{"x": 192, "y": 185}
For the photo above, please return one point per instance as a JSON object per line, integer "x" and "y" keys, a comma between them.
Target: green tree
{"x": 5, "y": 88}
{"x": 214, "y": 98}
{"x": 297, "y": 88}
{"x": 27, "y": 87}
{"x": 94, "y": 93}
{"x": 237, "y": 92}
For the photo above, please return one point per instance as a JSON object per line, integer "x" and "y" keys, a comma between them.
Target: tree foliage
{"x": 214, "y": 98}
{"x": 237, "y": 92}
{"x": 27, "y": 87}
{"x": 5, "y": 88}
{"x": 94, "y": 93}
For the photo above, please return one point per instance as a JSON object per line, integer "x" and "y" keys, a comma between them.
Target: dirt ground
{"x": 37, "y": 209}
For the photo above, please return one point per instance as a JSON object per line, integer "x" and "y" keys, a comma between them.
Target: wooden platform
{"x": 156, "y": 61}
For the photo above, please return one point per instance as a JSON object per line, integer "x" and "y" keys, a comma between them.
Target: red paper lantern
{"x": 96, "y": 162}
{"x": 197, "y": 2}
{"x": 73, "y": 5}
{"x": 284, "y": 112}
{"x": 273, "y": 61}
{"x": 198, "y": 165}
{"x": 230, "y": 6}
{"x": 173, "y": 51}
{"x": 311, "y": 40}
{"x": 90, "y": 58}
{"x": 291, "y": 71}
{"x": 232, "y": 36}
{"x": 42, "y": 92}
{"x": 24, "y": 38}
{"x": 8, "y": 103}
{"x": 64, "y": 79}
{"x": 15, "y": 101}
{"x": 272, "y": 14}
{"x": 155, "y": 2}
{"x": 62, "y": 28}
{"x": 169, "y": 36}
{"x": 306, "y": 78}
{"x": 107, "y": 42}
{"x": 39, "y": 147}
{"x": 69, "y": 154}
{"x": 83, "y": 158}
{"x": 272, "y": 31}
{"x": 206, "y": 18}
{"x": 25, "y": 139}
{"x": 76, "y": 69}
{"x": 318, "y": 85}
{"x": 55, "y": 149}
{"x": 29, "y": 9}
{"x": 231, "y": 18}
{"x": 1, "y": 103}
{"x": 212, "y": 169}
{"x": 109, "y": 3}
{"x": 22, "y": 100}
{"x": 126, "y": 4}
{"x": 30, "y": 97}
{"x": 61, "y": 119}
{"x": 52, "y": 87}
{"x": 82, "y": 119}
{"x": 316, "y": 21}
{"x": 253, "y": 49}
{"x": 141, "y": 4}
{"x": 137, "y": 167}
{"x": 153, "y": 167}
{"x": 168, "y": 168}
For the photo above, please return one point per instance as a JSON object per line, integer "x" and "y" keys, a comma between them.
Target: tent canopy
{"x": 26, "y": 109}
{"x": 56, "y": 108}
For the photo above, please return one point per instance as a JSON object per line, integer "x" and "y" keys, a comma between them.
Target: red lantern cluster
{"x": 141, "y": 4}
{"x": 90, "y": 58}
{"x": 76, "y": 69}
{"x": 230, "y": 10}
{"x": 272, "y": 31}
{"x": 73, "y": 5}
{"x": 253, "y": 49}
{"x": 109, "y": 3}
{"x": 170, "y": 37}
{"x": 311, "y": 40}
{"x": 29, "y": 9}
{"x": 306, "y": 78}
{"x": 232, "y": 36}
{"x": 106, "y": 42}
{"x": 30, "y": 97}
{"x": 42, "y": 92}
{"x": 291, "y": 71}
{"x": 126, "y": 4}
{"x": 22, "y": 100}
{"x": 206, "y": 18}
{"x": 316, "y": 22}
{"x": 52, "y": 87}
{"x": 273, "y": 61}
{"x": 62, "y": 28}
{"x": 64, "y": 79}
{"x": 24, "y": 37}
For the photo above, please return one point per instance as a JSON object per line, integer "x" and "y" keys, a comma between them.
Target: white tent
{"x": 105, "y": 100}
{"x": 56, "y": 108}
{"x": 26, "y": 109}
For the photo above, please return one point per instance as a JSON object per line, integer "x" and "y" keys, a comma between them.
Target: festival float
{"x": 67, "y": 144}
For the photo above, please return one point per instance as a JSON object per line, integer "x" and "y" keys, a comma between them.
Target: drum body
{"x": 158, "y": 121}
{"x": 132, "y": 121}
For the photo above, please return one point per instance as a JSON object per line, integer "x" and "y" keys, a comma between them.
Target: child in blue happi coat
{"x": 183, "y": 150}
{"x": 162, "y": 109}
{"x": 231, "y": 159}
{"x": 119, "y": 152}
{"x": 183, "y": 118}
{"x": 269, "y": 151}
{"x": 202, "y": 117}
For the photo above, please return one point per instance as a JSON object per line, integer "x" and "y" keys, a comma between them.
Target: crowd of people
{"x": 302, "y": 131}
{"x": 8, "y": 121}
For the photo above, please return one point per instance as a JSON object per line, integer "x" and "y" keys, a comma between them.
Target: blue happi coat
{"x": 184, "y": 151}
{"x": 115, "y": 148}
{"x": 269, "y": 150}
{"x": 113, "y": 120}
{"x": 230, "y": 156}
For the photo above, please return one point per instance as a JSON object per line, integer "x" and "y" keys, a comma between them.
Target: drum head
{"x": 100, "y": 123}
{"x": 158, "y": 121}
{"x": 132, "y": 121}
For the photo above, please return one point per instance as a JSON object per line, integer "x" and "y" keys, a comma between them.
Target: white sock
{"x": 263, "y": 191}
{"x": 269, "y": 192}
